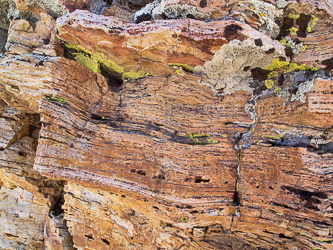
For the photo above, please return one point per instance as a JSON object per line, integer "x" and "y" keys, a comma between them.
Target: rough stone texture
{"x": 177, "y": 124}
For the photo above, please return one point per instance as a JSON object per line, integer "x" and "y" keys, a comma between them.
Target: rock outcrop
{"x": 166, "y": 124}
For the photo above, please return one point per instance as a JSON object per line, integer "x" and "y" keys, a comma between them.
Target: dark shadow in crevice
{"x": 113, "y": 79}
{"x": 303, "y": 23}
{"x": 3, "y": 40}
{"x": 236, "y": 199}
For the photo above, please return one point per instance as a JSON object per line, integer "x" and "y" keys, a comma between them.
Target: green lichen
{"x": 312, "y": 238}
{"x": 284, "y": 42}
{"x": 184, "y": 66}
{"x": 278, "y": 213}
{"x": 288, "y": 42}
{"x": 88, "y": 62}
{"x": 55, "y": 98}
{"x": 132, "y": 75}
{"x": 276, "y": 90}
{"x": 211, "y": 141}
{"x": 184, "y": 219}
{"x": 272, "y": 75}
{"x": 293, "y": 16}
{"x": 312, "y": 23}
{"x": 93, "y": 60}
{"x": 195, "y": 139}
{"x": 180, "y": 71}
{"x": 287, "y": 67}
{"x": 272, "y": 137}
{"x": 293, "y": 31}
{"x": 269, "y": 84}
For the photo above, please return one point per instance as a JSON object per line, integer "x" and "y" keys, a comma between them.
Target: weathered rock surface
{"x": 166, "y": 125}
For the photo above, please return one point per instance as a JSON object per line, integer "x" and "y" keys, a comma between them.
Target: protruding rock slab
{"x": 141, "y": 46}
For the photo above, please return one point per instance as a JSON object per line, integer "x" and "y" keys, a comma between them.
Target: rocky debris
{"x": 166, "y": 124}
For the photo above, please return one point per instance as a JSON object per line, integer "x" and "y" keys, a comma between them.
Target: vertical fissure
{"x": 58, "y": 221}
{"x": 236, "y": 198}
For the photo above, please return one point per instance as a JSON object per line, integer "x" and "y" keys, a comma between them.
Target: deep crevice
{"x": 113, "y": 79}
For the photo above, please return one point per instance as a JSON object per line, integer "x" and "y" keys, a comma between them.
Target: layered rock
{"x": 183, "y": 125}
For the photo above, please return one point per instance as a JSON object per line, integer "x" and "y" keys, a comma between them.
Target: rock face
{"x": 166, "y": 124}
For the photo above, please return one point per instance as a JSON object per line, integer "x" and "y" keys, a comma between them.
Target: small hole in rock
{"x": 106, "y": 242}
{"x": 141, "y": 172}
{"x": 21, "y": 153}
{"x": 258, "y": 42}
{"x": 89, "y": 237}
{"x": 284, "y": 237}
{"x": 232, "y": 29}
{"x": 203, "y": 3}
{"x": 198, "y": 179}
{"x": 270, "y": 51}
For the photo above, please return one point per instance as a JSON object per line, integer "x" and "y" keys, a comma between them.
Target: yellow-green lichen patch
{"x": 312, "y": 23}
{"x": 287, "y": 67}
{"x": 93, "y": 60}
{"x": 276, "y": 90}
{"x": 319, "y": 240}
{"x": 272, "y": 137}
{"x": 293, "y": 16}
{"x": 284, "y": 42}
{"x": 87, "y": 61}
{"x": 195, "y": 137}
{"x": 272, "y": 75}
{"x": 296, "y": 47}
{"x": 184, "y": 66}
{"x": 293, "y": 31}
{"x": 278, "y": 213}
{"x": 269, "y": 84}
{"x": 55, "y": 98}
{"x": 180, "y": 71}
{"x": 132, "y": 75}
{"x": 277, "y": 65}
{"x": 184, "y": 219}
